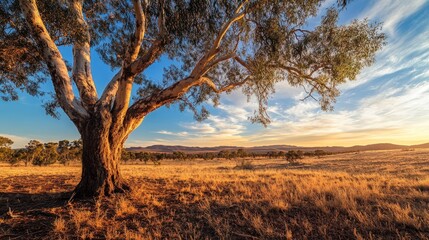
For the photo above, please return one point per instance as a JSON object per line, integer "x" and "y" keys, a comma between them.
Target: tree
{"x": 65, "y": 152}
{"x": 318, "y": 153}
{"x": 143, "y": 156}
{"x": 215, "y": 46}
{"x": 76, "y": 149}
{"x": 34, "y": 148}
{"x": 18, "y": 156}
{"x": 226, "y": 154}
{"x": 179, "y": 155}
{"x": 127, "y": 156}
{"x": 293, "y": 156}
{"x": 47, "y": 155}
{"x": 241, "y": 153}
{"x": 5, "y": 149}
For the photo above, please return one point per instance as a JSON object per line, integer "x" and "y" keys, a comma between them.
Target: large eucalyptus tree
{"x": 214, "y": 46}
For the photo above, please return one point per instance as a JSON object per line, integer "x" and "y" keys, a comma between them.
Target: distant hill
{"x": 424, "y": 145}
{"x": 276, "y": 148}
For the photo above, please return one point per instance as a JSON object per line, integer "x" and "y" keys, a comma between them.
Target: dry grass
{"x": 368, "y": 195}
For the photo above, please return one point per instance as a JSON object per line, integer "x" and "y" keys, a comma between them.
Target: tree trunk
{"x": 100, "y": 163}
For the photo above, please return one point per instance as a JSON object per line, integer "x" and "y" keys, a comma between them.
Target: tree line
{"x": 291, "y": 156}
{"x": 41, "y": 154}
{"x": 65, "y": 152}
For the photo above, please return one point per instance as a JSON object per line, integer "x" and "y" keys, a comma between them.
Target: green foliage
{"x": 5, "y": 142}
{"x": 270, "y": 43}
{"x": 5, "y": 149}
{"x": 46, "y": 154}
{"x": 126, "y": 155}
{"x": 69, "y": 151}
{"x": 143, "y": 156}
{"x": 21, "y": 66}
{"x": 18, "y": 156}
{"x": 179, "y": 155}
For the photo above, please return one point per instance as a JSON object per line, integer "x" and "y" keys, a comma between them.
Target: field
{"x": 364, "y": 195}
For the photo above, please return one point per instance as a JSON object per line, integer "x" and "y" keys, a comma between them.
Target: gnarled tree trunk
{"x": 100, "y": 162}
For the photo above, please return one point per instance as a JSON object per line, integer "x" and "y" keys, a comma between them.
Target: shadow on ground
{"x": 29, "y": 216}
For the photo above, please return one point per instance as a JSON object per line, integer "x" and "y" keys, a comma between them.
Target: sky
{"x": 387, "y": 103}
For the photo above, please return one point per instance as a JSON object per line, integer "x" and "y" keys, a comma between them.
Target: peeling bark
{"x": 55, "y": 63}
{"x": 82, "y": 75}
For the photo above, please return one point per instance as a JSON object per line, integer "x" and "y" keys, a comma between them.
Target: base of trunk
{"x": 101, "y": 154}
{"x": 92, "y": 188}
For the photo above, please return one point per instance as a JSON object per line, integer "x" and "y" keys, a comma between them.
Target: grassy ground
{"x": 367, "y": 195}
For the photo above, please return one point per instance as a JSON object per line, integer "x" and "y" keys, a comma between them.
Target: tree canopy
{"x": 215, "y": 45}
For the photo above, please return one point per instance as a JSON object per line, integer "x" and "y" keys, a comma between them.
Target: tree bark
{"x": 100, "y": 162}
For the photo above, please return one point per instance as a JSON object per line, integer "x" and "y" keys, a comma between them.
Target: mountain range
{"x": 264, "y": 149}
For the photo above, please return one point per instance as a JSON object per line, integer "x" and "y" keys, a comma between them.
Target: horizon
{"x": 386, "y": 104}
{"x": 254, "y": 146}
{"x": 408, "y": 145}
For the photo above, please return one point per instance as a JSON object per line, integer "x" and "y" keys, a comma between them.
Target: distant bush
{"x": 319, "y": 153}
{"x": 293, "y": 156}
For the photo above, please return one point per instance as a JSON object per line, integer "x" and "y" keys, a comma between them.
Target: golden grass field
{"x": 365, "y": 195}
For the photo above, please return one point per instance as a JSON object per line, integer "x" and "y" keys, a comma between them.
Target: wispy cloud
{"x": 180, "y": 134}
{"x": 391, "y": 13}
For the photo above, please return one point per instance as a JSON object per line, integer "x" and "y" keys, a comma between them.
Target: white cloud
{"x": 179, "y": 134}
{"x": 303, "y": 109}
{"x": 199, "y": 128}
{"x": 18, "y": 141}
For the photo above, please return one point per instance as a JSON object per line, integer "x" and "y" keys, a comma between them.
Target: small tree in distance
{"x": 318, "y": 153}
{"x": 33, "y": 149}
{"x": 293, "y": 156}
{"x": 48, "y": 154}
{"x": 215, "y": 46}
{"x": 5, "y": 149}
{"x": 18, "y": 156}
{"x": 64, "y": 152}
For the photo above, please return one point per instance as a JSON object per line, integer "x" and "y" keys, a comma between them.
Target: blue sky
{"x": 389, "y": 102}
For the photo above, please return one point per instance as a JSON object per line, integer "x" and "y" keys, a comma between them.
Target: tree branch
{"x": 226, "y": 26}
{"x": 226, "y": 88}
{"x": 125, "y": 83}
{"x": 140, "y": 64}
{"x": 243, "y": 63}
{"x": 109, "y": 92}
{"x": 299, "y": 73}
{"x": 55, "y": 63}
{"x": 143, "y": 106}
{"x": 137, "y": 66}
{"x": 201, "y": 68}
{"x": 137, "y": 39}
{"x": 82, "y": 75}
{"x": 217, "y": 61}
